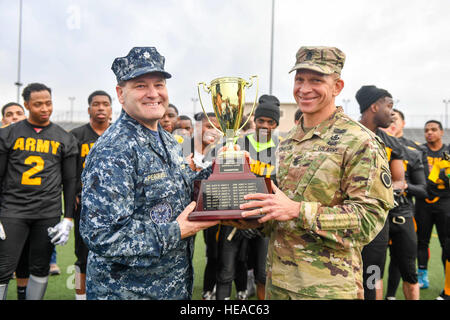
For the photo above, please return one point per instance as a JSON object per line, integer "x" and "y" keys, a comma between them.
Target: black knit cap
{"x": 269, "y": 106}
{"x": 368, "y": 95}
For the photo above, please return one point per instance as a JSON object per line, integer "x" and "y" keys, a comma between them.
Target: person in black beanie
{"x": 267, "y": 117}
{"x": 369, "y": 95}
{"x": 248, "y": 248}
{"x": 376, "y": 112}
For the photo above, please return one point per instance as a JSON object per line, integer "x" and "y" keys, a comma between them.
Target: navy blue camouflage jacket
{"x": 134, "y": 188}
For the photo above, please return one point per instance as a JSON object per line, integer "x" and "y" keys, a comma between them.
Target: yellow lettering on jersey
{"x": 260, "y": 168}
{"x": 19, "y": 144}
{"x": 42, "y": 146}
{"x": 432, "y": 161}
{"x": 55, "y": 146}
{"x": 84, "y": 150}
{"x": 270, "y": 168}
{"x": 33, "y": 145}
{"x": 38, "y": 167}
{"x": 254, "y": 166}
{"x": 30, "y": 144}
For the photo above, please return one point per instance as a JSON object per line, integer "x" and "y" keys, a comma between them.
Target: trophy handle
{"x": 248, "y": 85}
{"x": 208, "y": 90}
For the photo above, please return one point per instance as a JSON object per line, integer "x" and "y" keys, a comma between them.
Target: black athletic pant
{"x": 81, "y": 251}
{"x": 374, "y": 259}
{"x": 403, "y": 252}
{"x": 257, "y": 256}
{"x": 427, "y": 216}
{"x": 393, "y": 279}
{"x": 446, "y": 249}
{"x": 40, "y": 250}
{"x": 210, "y": 274}
{"x": 232, "y": 257}
{"x": 22, "y": 271}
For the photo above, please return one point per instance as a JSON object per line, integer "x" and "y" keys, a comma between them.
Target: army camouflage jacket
{"x": 134, "y": 188}
{"x": 340, "y": 174}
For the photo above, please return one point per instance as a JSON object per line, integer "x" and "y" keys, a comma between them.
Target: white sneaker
{"x": 242, "y": 295}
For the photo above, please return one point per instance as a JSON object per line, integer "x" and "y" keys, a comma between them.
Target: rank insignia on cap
{"x": 139, "y": 61}
{"x": 161, "y": 213}
{"x": 386, "y": 178}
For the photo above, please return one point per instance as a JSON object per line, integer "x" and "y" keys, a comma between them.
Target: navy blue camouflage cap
{"x": 139, "y": 61}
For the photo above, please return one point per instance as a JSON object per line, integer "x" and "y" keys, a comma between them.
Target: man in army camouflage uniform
{"x": 334, "y": 191}
{"x": 137, "y": 192}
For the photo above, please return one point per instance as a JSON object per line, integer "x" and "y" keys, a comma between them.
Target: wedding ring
{"x": 261, "y": 211}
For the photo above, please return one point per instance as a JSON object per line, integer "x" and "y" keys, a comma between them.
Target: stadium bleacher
{"x": 69, "y": 125}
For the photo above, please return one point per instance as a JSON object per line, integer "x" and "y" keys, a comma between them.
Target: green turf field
{"x": 62, "y": 287}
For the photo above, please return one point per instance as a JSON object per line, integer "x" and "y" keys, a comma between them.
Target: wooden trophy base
{"x": 220, "y": 196}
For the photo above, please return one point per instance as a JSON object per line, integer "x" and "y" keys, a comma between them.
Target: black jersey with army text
{"x": 86, "y": 137}
{"x": 431, "y": 159}
{"x": 32, "y": 177}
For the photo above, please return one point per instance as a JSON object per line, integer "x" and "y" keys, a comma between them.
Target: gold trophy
{"x": 220, "y": 196}
{"x": 228, "y": 99}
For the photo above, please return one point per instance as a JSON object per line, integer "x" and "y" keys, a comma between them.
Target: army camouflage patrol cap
{"x": 139, "y": 61}
{"x": 326, "y": 60}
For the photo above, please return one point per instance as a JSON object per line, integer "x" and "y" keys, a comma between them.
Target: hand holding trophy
{"x": 223, "y": 192}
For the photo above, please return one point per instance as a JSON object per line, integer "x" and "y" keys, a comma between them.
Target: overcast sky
{"x": 402, "y": 46}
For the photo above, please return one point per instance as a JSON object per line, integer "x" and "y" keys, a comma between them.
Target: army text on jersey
{"x": 32, "y": 183}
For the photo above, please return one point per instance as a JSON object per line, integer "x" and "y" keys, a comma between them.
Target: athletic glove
{"x": 2, "y": 232}
{"x": 60, "y": 233}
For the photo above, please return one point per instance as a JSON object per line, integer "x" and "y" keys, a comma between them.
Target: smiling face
{"x": 40, "y": 107}
{"x": 145, "y": 98}
{"x": 100, "y": 109}
{"x": 315, "y": 93}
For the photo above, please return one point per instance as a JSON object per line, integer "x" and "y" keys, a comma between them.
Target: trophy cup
{"x": 220, "y": 196}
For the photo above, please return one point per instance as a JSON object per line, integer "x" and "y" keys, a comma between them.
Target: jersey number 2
{"x": 38, "y": 167}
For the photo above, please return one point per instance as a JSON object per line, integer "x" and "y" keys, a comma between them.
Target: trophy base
{"x": 220, "y": 196}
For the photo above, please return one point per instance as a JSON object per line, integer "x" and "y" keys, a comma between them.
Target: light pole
{"x": 19, "y": 56}
{"x": 72, "y": 99}
{"x": 446, "y": 102}
{"x": 194, "y": 102}
{"x": 345, "y": 102}
{"x": 271, "y": 48}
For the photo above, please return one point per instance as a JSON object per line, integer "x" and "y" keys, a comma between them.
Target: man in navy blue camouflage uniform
{"x": 137, "y": 194}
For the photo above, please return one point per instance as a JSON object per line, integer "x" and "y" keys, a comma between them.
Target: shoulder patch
{"x": 161, "y": 213}
{"x": 385, "y": 177}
